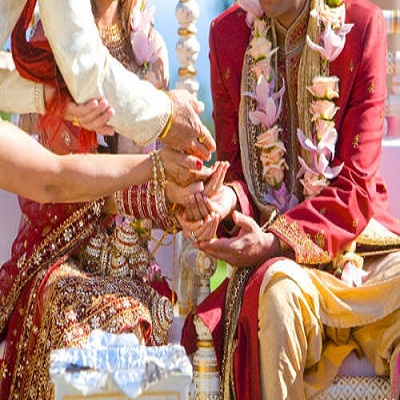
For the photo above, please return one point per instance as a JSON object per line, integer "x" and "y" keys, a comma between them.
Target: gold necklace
{"x": 117, "y": 43}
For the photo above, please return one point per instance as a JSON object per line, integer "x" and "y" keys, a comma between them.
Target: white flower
{"x": 260, "y": 48}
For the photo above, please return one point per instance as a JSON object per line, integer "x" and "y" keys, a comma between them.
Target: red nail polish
{"x": 199, "y": 165}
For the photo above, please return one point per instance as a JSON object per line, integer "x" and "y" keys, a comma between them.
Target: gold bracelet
{"x": 168, "y": 125}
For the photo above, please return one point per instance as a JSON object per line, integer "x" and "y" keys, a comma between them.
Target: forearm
{"x": 141, "y": 111}
{"x": 32, "y": 171}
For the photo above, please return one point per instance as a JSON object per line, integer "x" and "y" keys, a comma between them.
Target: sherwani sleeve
{"x": 18, "y": 95}
{"x": 333, "y": 219}
{"x": 225, "y": 118}
{"x": 141, "y": 111}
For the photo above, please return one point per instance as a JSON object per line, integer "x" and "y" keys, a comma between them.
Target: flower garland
{"x": 145, "y": 49}
{"x": 317, "y": 174}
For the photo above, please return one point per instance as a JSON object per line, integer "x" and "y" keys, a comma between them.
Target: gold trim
{"x": 307, "y": 252}
{"x": 205, "y": 343}
{"x": 206, "y": 368}
{"x": 188, "y": 71}
{"x": 376, "y": 234}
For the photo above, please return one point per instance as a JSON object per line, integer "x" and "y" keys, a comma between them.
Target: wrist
{"x": 168, "y": 125}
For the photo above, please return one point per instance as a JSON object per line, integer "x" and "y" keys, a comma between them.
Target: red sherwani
{"x": 318, "y": 228}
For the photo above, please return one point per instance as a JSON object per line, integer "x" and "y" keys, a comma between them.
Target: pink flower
{"x": 142, "y": 19}
{"x": 335, "y": 16}
{"x": 262, "y": 67}
{"x": 143, "y": 49}
{"x": 320, "y": 166}
{"x": 332, "y": 42}
{"x": 268, "y": 137}
{"x": 275, "y": 173}
{"x": 313, "y": 183}
{"x": 281, "y": 198}
{"x": 326, "y": 136}
{"x": 269, "y": 104}
{"x": 272, "y": 154}
{"x": 325, "y": 140}
{"x": 325, "y": 87}
{"x": 253, "y": 9}
{"x": 353, "y": 275}
{"x": 323, "y": 109}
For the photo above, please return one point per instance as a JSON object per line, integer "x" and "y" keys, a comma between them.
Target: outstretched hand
{"x": 187, "y": 132}
{"x": 204, "y": 209}
{"x": 252, "y": 246}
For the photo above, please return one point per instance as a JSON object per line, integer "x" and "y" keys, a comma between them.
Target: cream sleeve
{"x": 18, "y": 95}
{"x": 141, "y": 111}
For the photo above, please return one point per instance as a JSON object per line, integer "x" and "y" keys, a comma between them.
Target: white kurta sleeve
{"x": 141, "y": 111}
{"x": 18, "y": 95}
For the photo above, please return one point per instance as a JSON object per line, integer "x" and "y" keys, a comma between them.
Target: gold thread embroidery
{"x": 227, "y": 73}
{"x": 356, "y": 141}
{"x": 371, "y": 87}
{"x": 49, "y": 250}
{"x": 351, "y": 66}
{"x": 307, "y": 252}
{"x": 320, "y": 239}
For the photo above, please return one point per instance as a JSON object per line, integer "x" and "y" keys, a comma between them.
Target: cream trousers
{"x": 300, "y": 351}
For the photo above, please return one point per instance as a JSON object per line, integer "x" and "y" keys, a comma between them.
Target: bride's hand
{"x": 94, "y": 115}
{"x": 216, "y": 197}
{"x": 176, "y": 194}
{"x": 183, "y": 168}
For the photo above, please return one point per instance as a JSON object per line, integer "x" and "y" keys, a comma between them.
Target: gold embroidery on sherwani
{"x": 228, "y": 73}
{"x": 233, "y": 302}
{"x": 320, "y": 239}
{"x": 351, "y": 66}
{"x": 307, "y": 252}
{"x": 235, "y": 138}
{"x": 371, "y": 87}
{"x": 355, "y": 141}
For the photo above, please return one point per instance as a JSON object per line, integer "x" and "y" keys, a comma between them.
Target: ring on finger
{"x": 193, "y": 236}
{"x": 201, "y": 139}
{"x": 75, "y": 121}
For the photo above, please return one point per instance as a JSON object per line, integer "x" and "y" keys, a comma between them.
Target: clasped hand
{"x": 202, "y": 213}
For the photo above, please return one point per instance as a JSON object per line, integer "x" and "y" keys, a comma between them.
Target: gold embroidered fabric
{"x": 72, "y": 304}
{"x": 307, "y": 252}
{"x": 376, "y": 239}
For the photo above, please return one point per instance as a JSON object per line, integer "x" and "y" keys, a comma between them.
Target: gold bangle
{"x": 168, "y": 125}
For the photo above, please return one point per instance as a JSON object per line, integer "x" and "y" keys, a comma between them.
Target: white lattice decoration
{"x": 357, "y": 388}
